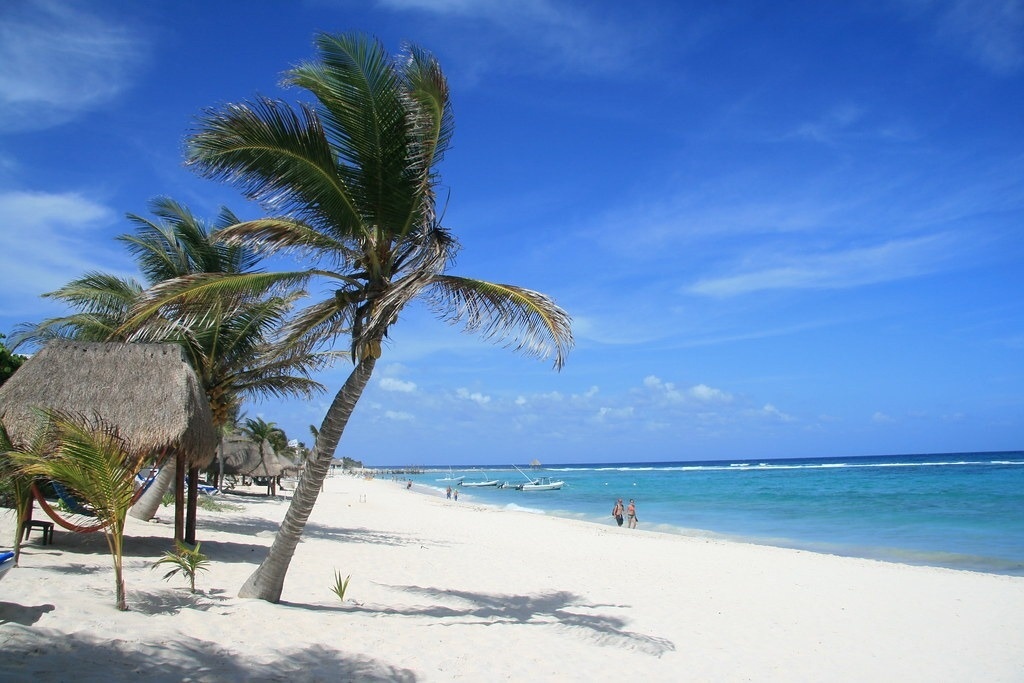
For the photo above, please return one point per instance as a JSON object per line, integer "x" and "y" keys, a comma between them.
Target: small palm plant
{"x": 91, "y": 459}
{"x": 186, "y": 560}
{"x": 340, "y": 585}
{"x": 18, "y": 485}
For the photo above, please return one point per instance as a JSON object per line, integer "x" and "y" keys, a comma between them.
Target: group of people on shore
{"x": 623, "y": 512}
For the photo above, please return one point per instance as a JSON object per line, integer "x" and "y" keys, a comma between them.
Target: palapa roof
{"x": 149, "y": 391}
{"x": 242, "y": 457}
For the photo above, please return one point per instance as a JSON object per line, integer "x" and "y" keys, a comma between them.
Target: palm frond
{"x": 277, "y": 156}
{"x": 181, "y": 243}
{"x": 274, "y": 234}
{"x": 191, "y": 298}
{"x": 528, "y": 321}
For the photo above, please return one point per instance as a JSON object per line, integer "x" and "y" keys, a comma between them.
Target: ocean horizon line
{"x": 736, "y": 463}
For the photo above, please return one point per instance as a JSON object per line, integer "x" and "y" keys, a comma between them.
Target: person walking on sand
{"x": 448, "y": 493}
{"x": 617, "y": 511}
{"x": 631, "y": 513}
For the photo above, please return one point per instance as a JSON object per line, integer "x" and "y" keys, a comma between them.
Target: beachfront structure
{"x": 247, "y": 458}
{"x": 148, "y": 391}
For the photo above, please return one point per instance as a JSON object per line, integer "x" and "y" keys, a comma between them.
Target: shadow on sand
{"x": 554, "y": 609}
{"x": 43, "y": 654}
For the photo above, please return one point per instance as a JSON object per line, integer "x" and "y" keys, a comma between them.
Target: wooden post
{"x": 179, "y": 495}
{"x": 193, "y": 503}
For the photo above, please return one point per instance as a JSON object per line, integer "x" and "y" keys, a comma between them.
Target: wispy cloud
{"x": 989, "y": 32}
{"x": 578, "y": 39}
{"x": 894, "y": 260}
{"x": 48, "y": 239}
{"x": 59, "y": 61}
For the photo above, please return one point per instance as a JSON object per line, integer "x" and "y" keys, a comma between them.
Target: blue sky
{"x": 782, "y": 229}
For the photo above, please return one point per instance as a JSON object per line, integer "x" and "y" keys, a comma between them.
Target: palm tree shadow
{"x": 46, "y": 654}
{"x": 11, "y": 613}
{"x": 558, "y": 609}
{"x": 173, "y": 601}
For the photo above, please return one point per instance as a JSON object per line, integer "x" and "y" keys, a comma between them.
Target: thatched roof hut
{"x": 242, "y": 458}
{"x": 149, "y": 391}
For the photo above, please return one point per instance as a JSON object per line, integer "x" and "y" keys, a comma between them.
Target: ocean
{"x": 962, "y": 511}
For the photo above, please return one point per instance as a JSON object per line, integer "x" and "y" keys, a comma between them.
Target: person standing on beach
{"x": 448, "y": 493}
{"x": 631, "y": 513}
{"x": 617, "y": 511}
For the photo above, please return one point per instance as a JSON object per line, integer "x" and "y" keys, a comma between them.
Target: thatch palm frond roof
{"x": 149, "y": 391}
{"x": 242, "y": 457}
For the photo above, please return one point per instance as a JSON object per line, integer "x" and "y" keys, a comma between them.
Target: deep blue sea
{"x": 964, "y": 510}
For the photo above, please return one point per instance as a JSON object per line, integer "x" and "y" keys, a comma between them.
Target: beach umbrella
{"x": 535, "y": 463}
{"x": 242, "y": 458}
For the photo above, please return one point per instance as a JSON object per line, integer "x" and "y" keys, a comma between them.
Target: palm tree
{"x": 230, "y": 345}
{"x": 91, "y": 460}
{"x": 351, "y": 183}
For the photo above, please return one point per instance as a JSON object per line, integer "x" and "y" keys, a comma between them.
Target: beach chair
{"x": 204, "y": 488}
{"x": 6, "y": 562}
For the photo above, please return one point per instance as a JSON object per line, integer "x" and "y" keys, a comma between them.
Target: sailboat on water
{"x": 451, "y": 479}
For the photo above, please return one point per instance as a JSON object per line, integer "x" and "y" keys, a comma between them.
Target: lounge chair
{"x": 6, "y": 562}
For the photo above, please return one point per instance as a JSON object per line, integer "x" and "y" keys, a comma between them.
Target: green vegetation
{"x": 9, "y": 362}
{"x": 91, "y": 460}
{"x": 229, "y": 340}
{"x": 340, "y": 585}
{"x": 186, "y": 561}
{"x": 15, "y": 487}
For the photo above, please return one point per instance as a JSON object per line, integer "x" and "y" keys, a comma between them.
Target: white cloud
{"x": 59, "y": 61}
{"x": 894, "y": 260}
{"x": 703, "y": 392}
{"x": 475, "y": 396}
{"x": 771, "y": 411}
{"x": 48, "y": 239}
{"x": 606, "y": 413}
{"x": 881, "y": 418}
{"x": 521, "y": 401}
{"x": 398, "y": 415}
{"x": 667, "y": 389}
{"x": 392, "y": 384}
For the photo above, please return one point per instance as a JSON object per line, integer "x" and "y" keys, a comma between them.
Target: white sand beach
{"x": 445, "y": 590}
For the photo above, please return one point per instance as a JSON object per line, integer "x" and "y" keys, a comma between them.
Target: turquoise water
{"x": 964, "y": 511}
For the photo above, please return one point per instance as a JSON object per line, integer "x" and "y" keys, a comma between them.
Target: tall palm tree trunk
{"x": 267, "y": 581}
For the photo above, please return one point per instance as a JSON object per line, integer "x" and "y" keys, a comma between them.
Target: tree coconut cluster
{"x": 347, "y": 185}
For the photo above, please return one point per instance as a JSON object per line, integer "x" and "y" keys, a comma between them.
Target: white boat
{"x": 478, "y": 484}
{"x": 542, "y": 484}
{"x": 538, "y": 483}
{"x": 451, "y": 479}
